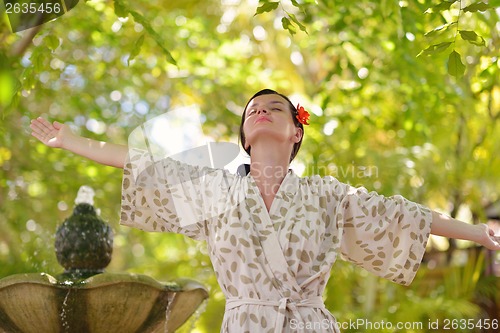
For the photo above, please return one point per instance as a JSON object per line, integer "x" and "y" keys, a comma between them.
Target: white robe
{"x": 273, "y": 266}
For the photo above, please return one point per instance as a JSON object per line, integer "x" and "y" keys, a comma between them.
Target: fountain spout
{"x": 84, "y": 242}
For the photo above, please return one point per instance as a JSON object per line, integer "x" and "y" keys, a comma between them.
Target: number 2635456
{"x": 33, "y": 8}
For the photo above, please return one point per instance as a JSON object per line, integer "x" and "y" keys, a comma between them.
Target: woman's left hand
{"x": 488, "y": 238}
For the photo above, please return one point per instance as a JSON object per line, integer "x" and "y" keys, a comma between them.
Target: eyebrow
{"x": 273, "y": 102}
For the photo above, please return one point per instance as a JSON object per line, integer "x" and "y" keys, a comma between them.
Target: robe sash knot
{"x": 283, "y": 304}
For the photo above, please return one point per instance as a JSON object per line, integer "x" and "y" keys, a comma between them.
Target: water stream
{"x": 63, "y": 314}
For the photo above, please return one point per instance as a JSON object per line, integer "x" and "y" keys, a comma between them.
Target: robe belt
{"x": 282, "y": 304}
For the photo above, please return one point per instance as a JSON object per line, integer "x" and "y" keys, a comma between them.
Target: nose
{"x": 259, "y": 111}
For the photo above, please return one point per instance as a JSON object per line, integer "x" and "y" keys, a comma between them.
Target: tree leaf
{"x": 297, "y": 22}
{"x": 136, "y": 50}
{"x": 475, "y": 7}
{"x": 287, "y": 25}
{"x": 52, "y": 42}
{"x": 445, "y": 5}
{"x": 434, "y": 49}
{"x": 139, "y": 18}
{"x": 120, "y": 9}
{"x": 300, "y": 6}
{"x": 441, "y": 28}
{"x": 37, "y": 60}
{"x": 455, "y": 66}
{"x": 267, "y": 7}
{"x": 472, "y": 37}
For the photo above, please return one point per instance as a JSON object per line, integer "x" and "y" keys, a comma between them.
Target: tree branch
{"x": 21, "y": 46}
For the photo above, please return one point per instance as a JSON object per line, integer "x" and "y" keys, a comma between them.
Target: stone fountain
{"x": 85, "y": 299}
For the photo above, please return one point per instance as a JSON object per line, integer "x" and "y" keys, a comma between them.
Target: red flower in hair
{"x": 302, "y": 115}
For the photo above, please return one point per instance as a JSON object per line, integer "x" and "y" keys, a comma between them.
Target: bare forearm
{"x": 101, "y": 152}
{"x": 446, "y": 226}
{"x": 59, "y": 135}
{"x": 443, "y": 225}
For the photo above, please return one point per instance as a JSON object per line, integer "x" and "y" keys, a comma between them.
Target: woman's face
{"x": 269, "y": 117}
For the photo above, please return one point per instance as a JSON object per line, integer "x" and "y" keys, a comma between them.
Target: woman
{"x": 272, "y": 236}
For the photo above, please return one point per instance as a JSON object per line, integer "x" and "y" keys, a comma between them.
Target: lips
{"x": 262, "y": 118}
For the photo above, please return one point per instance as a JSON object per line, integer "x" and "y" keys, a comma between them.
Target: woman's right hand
{"x": 57, "y": 135}
{"x": 53, "y": 135}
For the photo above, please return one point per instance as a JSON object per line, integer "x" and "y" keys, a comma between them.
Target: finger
{"x": 40, "y": 124}
{"x": 57, "y": 125}
{"x": 45, "y": 124}
{"x": 39, "y": 136}
{"x": 40, "y": 120}
{"x": 37, "y": 127}
{"x": 496, "y": 242}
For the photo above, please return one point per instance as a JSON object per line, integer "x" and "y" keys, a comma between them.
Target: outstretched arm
{"x": 449, "y": 227}
{"x": 57, "y": 135}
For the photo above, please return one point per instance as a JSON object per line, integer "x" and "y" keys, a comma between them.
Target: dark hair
{"x": 293, "y": 112}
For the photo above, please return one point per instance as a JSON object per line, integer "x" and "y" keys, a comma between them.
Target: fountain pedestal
{"x": 107, "y": 303}
{"x": 84, "y": 299}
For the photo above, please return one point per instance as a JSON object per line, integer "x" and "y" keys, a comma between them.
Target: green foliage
{"x": 381, "y": 117}
{"x": 289, "y": 21}
{"x": 267, "y": 6}
{"x": 137, "y": 49}
{"x": 478, "y": 6}
{"x": 472, "y": 37}
{"x": 444, "y": 5}
{"x": 455, "y": 66}
{"x": 444, "y": 9}
{"x": 438, "y": 295}
{"x": 122, "y": 10}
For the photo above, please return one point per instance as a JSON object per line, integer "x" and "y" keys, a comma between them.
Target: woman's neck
{"x": 268, "y": 168}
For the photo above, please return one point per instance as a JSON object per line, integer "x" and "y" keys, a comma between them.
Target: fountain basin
{"x": 107, "y": 302}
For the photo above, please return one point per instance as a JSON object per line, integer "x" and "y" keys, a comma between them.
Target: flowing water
{"x": 63, "y": 314}
{"x": 171, "y": 297}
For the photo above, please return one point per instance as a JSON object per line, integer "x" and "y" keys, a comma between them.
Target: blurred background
{"x": 404, "y": 97}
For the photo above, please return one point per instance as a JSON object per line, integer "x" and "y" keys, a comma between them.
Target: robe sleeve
{"x": 167, "y": 195}
{"x": 384, "y": 235}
